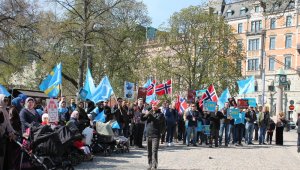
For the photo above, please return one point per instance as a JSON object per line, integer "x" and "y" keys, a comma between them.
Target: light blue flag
{"x": 246, "y": 86}
{"x": 100, "y": 116}
{"x": 223, "y": 98}
{"x": 103, "y": 91}
{"x": 115, "y": 125}
{"x": 4, "y": 91}
{"x": 150, "y": 98}
{"x": 50, "y": 85}
{"x": 147, "y": 84}
{"x": 89, "y": 85}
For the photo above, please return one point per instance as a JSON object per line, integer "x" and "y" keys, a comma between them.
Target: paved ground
{"x": 202, "y": 157}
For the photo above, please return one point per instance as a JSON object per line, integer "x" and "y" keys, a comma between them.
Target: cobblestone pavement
{"x": 202, "y": 157}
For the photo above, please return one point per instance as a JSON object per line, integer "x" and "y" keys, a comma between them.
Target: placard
{"x": 142, "y": 92}
{"x": 52, "y": 109}
{"x": 209, "y": 106}
{"x": 206, "y": 129}
{"x": 199, "y": 126}
{"x": 191, "y": 95}
{"x": 234, "y": 113}
{"x": 128, "y": 90}
{"x": 243, "y": 103}
{"x": 252, "y": 102}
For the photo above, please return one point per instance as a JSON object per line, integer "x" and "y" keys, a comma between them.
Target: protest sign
{"x": 209, "y": 106}
{"x": 52, "y": 110}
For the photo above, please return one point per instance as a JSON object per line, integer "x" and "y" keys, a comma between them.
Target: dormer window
{"x": 291, "y": 4}
{"x": 276, "y": 5}
{"x": 243, "y": 11}
{"x": 229, "y": 13}
{"x": 256, "y": 9}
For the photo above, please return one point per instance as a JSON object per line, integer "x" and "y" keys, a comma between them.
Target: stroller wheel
{"x": 69, "y": 167}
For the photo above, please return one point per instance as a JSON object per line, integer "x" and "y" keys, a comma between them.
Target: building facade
{"x": 269, "y": 34}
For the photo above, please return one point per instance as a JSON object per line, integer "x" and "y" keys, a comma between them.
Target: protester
{"x": 192, "y": 116}
{"x": 155, "y": 121}
{"x": 270, "y": 131}
{"x": 239, "y": 129}
{"x": 171, "y": 116}
{"x": 279, "y": 128}
{"x": 73, "y": 105}
{"x": 138, "y": 124}
{"x": 63, "y": 113}
{"x": 263, "y": 123}
{"x": 118, "y": 114}
{"x": 250, "y": 118}
{"x": 225, "y": 126}
{"x": 298, "y": 131}
{"x": 29, "y": 115}
{"x": 215, "y": 118}
{"x": 45, "y": 119}
{"x": 126, "y": 119}
{"x": 6, "y": 129}
{"x": 16, "y": 107}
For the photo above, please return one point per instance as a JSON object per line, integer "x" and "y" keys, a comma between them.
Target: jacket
{"x": 263, "y": 119}
{"x": 5, "y": 126}
{"x": 249, "y": 118}
{"x": 192, "y": 117}
{"x": 155, "y": 123}
{"x": 27, "y": 118}
{"x": 171, "y": 116}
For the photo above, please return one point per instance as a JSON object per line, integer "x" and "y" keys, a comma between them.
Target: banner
{"x": 209, "y": 106}
{"x": 240, "y": 119}
{"x": 142, "y": 92}
{"x": 234, "y": 113}
{"x": 243, "y": 103}
{"x": 251, "y": 102}
{"x": 52, "y": 109}
{"x": 128, "y": 90}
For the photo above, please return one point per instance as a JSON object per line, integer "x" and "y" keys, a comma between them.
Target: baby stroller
{"x": 49, "y": 146}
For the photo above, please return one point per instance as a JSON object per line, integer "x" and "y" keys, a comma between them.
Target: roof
{"x": 248, "y": 5}
{"x": 29, "y": 93}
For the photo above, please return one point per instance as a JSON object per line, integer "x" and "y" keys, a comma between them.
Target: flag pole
{"x": 171, "y": 89}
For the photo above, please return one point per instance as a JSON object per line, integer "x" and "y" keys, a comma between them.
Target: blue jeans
{"x": 190, "y": 130}
{"x": 262, "y": 134}
{"x": 227, "y": 128}
{"x": 249, "y": 132}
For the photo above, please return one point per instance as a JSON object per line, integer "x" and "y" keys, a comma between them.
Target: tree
{"x": 200, "y": 49}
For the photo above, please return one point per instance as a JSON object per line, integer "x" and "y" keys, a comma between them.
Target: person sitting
{"x": 45, "y": 119}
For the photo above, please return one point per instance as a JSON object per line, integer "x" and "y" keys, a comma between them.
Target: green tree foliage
{"x": 201, "y": 49}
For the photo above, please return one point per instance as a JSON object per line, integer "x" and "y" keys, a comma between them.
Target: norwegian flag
{"x": 181, "y": 105}
{"x": 165, "y": 88}
{"x": 150, "y": 88}
{"x": 210, "y": 94}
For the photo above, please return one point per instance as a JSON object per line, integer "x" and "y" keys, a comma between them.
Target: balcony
{"x": 256, "y": 32}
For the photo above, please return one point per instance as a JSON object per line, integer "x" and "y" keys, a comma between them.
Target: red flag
{"x": 210, "y": 94}
{"x": 165, "y": 88}
{"x": 181, "y": 105}
{"x": 150, "y": 89}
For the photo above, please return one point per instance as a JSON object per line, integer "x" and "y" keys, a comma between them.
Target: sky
{"x": 161, "y": 10}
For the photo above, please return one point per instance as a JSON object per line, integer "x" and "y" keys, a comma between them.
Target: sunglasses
{"x": 193, "y": 106}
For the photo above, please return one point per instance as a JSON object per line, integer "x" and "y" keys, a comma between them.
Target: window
{"x": 240, "y": 27}
{"x": 271, "y": 63}
{"x": 288, "y": 41}
{"x": 229, "y": 13}
{"x": 239, "y": 65}
{"x": 242, "y": 12}
{"x": 272, "y": 23}
{"x": 256, "y": 26}
{"x": 256, "y": 87}
{"x": 256, "y": 9}
{"x": 239, "y": 45}
{"x": 253, "y": 44}
{"x": 288, "y": 21}
{"x": 291, "y": 5}
{"x": 287, "y": 62}
{"x": 272, "y": 43}
{"x": 253, "y": 64}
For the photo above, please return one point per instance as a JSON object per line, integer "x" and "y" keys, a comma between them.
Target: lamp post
{"x": 280, "y": 81}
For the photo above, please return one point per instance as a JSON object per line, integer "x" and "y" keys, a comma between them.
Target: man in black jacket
{"x": 155, "y": 121}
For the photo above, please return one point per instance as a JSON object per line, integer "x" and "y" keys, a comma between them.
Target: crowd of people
{"x": 139, "y": 121}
